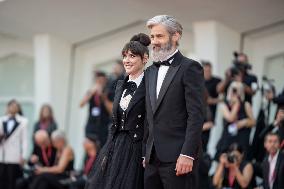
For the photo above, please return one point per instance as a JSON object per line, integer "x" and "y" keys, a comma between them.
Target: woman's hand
{"x": 223, "y": 159}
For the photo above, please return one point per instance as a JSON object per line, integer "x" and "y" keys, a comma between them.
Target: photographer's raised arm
{"x": 219, "y": 174}
{"x": 249, "y": 121}
{"x": 244, "y": 178}
{"x": 232, "y": 115}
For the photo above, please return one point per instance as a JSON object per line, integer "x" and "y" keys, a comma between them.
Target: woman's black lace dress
{"x": 119, "y": 163}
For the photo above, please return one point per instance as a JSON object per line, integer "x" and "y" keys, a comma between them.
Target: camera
{"x": 231, "y": 158}
{"x": 235, "y": 91}
{"x": 243, "y": 66}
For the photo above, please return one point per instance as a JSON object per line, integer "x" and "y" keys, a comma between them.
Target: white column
{"x": 215, "y": 42}
{"x": 52, "y": 71}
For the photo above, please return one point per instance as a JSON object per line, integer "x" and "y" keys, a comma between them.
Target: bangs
{"x": 135, "y": 48}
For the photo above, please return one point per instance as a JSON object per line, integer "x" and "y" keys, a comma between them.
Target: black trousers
{"x": 162, "y": 175}
{"x": 9, "y": 173}
{"x": 48, "y": 181}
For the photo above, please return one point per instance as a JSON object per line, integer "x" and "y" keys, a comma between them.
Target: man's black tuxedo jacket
{"x": 174, "y": 120}
{"x": 279, "y": 172}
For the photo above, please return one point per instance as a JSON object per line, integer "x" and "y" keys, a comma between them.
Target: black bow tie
{"x": 163, "y": 63}
{"x": 130, "y": 87}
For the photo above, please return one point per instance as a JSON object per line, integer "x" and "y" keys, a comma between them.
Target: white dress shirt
{"x": 162, "y": 73}
{"x": 161, "y": 76}
{"x": 124, "y": 101}
{"x": 272, "y": 164}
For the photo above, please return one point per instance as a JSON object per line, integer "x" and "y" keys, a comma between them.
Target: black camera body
{"x": 243, "y": 66}
{"x": 231, "y": 158}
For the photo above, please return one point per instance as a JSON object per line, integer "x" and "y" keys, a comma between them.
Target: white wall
{"x": 52, "y": 71}
{"x": 10, "y": 44}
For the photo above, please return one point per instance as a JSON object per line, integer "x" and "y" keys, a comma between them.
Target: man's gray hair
{"x": 169, "y": 22}
{"x": 58, "y": 134}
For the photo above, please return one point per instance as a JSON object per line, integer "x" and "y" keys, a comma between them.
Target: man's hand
{"x": 269, "y": 95}
{"x": 34, "y": 159}
{"x": 183, "y": 166}
{"x": 143, "y": 162}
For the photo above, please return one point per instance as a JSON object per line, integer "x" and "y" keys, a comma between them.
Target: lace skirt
{"x": 118, "y": 165}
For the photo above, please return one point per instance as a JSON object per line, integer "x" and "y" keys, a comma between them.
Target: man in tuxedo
{"x": 273, "y": 164}
{"x": 175, "y": 110}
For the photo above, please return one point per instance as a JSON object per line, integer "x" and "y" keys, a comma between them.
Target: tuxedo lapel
{"x": 277, "y": 166}
{"x": 139, "y": 93}
{"x": 118, "y": 93}
{"x": 153, "y": 74}
{"x": 175, "y": 65}
{"x": 5, "y": 125}
{"x": 266, "y": 170}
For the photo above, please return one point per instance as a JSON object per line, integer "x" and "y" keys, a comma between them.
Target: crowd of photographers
{"x": 244, "y": 159}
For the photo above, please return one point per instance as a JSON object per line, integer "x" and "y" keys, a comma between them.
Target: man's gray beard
{"x": 163, "y": 53}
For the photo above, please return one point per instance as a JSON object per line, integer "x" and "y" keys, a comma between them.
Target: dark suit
{"x": 279, "y": 172}
{"x": 173, "y": 122}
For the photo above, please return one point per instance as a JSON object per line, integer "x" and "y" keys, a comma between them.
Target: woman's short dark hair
{"x": 138, "y": 45}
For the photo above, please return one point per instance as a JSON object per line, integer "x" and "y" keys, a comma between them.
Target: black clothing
{"x": 241, "y": 138}
{"x": 249, "y": 80}
{"x": 279, "y": 172}
{"x": 174, "y": 121}
{"x": 49, "y": 127}
{"x": 119, "y": 163}
{"x": 279, "y": 100}
{"x": 211, "y": 86}
{"x": 235, "y": 185}
{"x": 9, "y": 173}
{"x": 163, "y": 175}
{"x": 98, "y": 120}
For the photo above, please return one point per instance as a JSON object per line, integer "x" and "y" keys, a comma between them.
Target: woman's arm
{"x": 232, "y": 115}
{"x": 65, "y": 158}
{"x": 108, "y": 103}
{"x": 249, "y": 121}
{"x": 218, "y": 176}
{"x": 244, "y": 178}
{"x": 86, "y": 98}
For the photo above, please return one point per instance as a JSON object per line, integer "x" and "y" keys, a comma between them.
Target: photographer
{"x": 279, "y": 100}
{"x": 240, "y": 72}
{"x": 250, "y": 80}
{"x": 100, "y": 107}
{"x": 238, "y": 119}
{"x": 211, "y": 83}
{"x": 232, "y": 171}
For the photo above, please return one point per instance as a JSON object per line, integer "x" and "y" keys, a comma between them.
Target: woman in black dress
{"x": 238, "y": 119}
{"x": 119, "y": 163}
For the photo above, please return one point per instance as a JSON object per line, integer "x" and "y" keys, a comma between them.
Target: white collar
{"x": 274, "y": 157}
{"x": 138, "y": 80}
{"x": 172, "y": 55}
